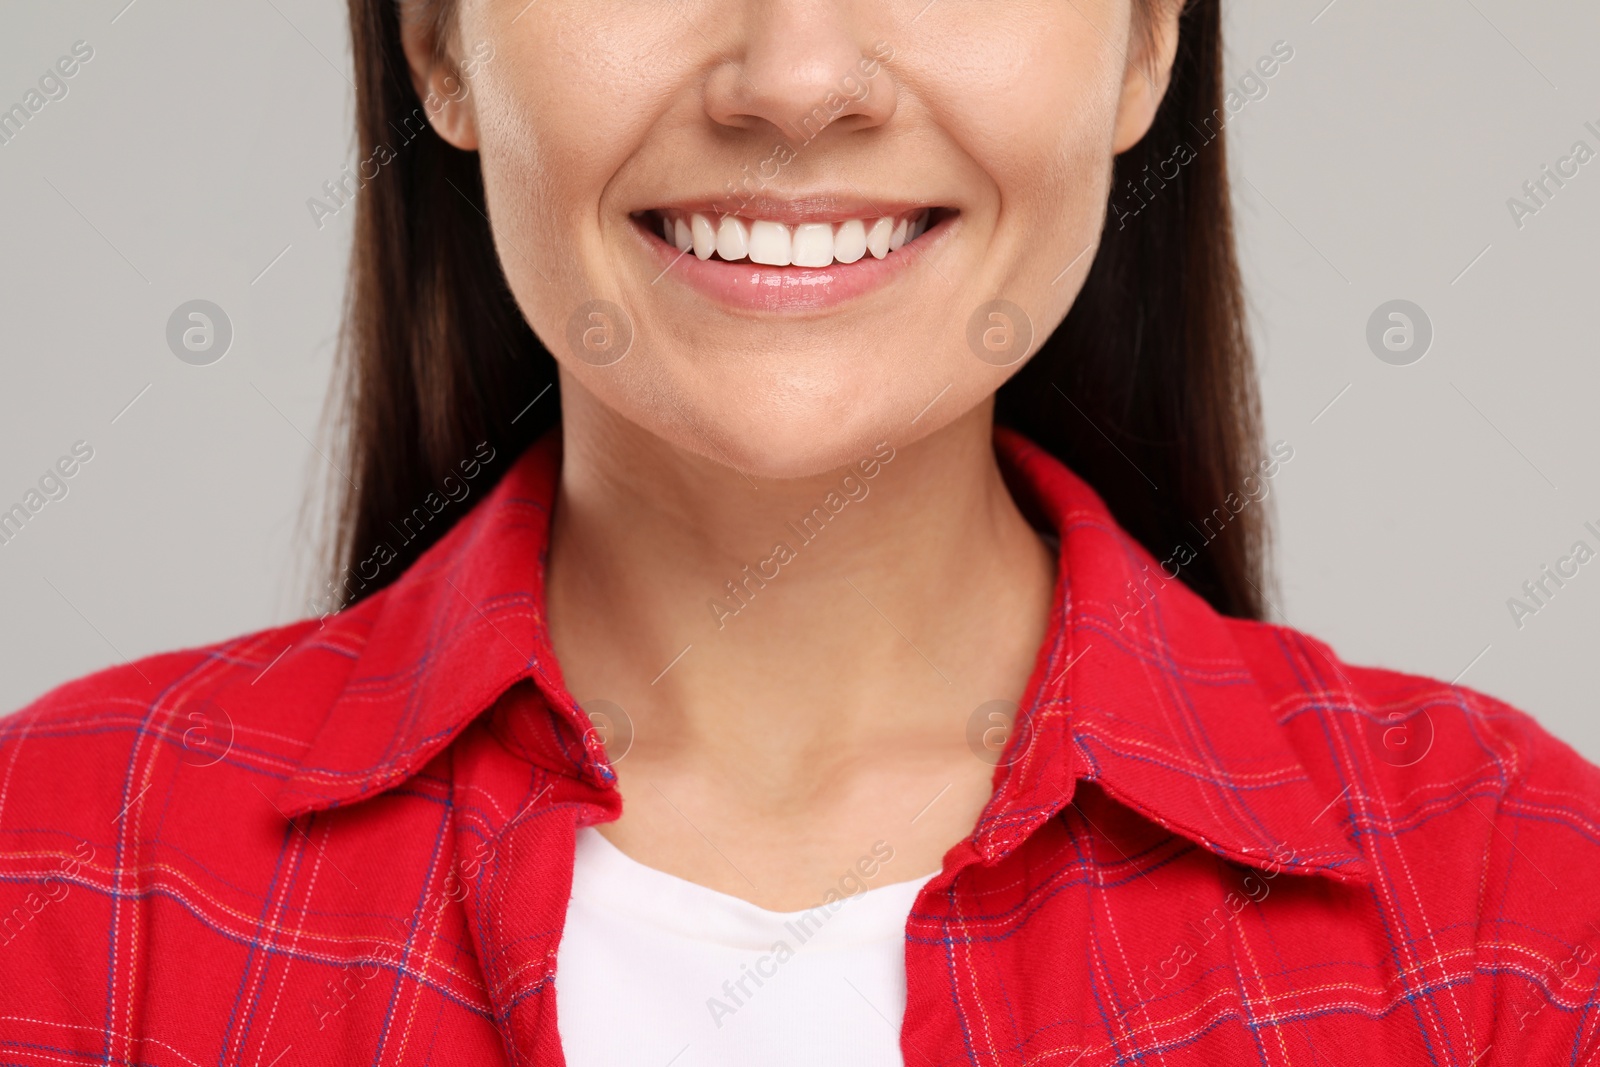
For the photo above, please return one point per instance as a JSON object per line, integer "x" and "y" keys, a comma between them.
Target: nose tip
{"x": 802, "y": 69}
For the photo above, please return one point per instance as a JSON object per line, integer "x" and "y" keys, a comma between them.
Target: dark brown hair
{"x": 1146, "y": 390}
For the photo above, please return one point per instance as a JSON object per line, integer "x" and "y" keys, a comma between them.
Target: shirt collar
{"x": 460, "y": 628}
{"x": 1139, "y": 685}
{"x": 1141, "y": 688}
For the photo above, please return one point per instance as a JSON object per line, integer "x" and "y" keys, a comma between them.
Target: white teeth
{"x": 850, "y": 242}
{"x": 773, "y": 244}
{"x": 813, "y": 244}
{"x": 705, "y": 236}
{"x": 770, "y": 244}
{"x": 878, "y": 237}
{"x": 733, "y": 239}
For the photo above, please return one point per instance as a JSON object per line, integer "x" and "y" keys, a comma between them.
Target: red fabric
{"x": 350, "y": 840}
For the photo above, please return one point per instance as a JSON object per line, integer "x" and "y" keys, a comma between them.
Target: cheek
{"x": 568, "y": 99}
{"x": 1033, "y": 100}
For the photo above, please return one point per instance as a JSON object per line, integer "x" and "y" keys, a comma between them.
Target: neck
{"x": 821, "y": 609}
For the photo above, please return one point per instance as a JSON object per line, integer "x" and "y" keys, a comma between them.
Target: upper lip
{"x": 794, "y": 210}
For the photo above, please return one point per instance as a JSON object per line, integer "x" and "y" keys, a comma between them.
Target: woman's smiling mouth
{"x": 803, "y": 260}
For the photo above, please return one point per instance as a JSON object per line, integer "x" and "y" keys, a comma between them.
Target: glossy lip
{"x": 756, "y": 287}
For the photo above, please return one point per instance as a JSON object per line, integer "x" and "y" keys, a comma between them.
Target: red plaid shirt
{"x": 350, "y": 840}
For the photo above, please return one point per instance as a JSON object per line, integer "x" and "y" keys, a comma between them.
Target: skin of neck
{"x": 842, "y": 689}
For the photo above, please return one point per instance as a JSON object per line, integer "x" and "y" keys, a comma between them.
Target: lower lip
{"x": 754, "y": 287}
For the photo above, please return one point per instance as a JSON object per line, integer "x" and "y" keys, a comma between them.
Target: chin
{"x": 789, "y": 441}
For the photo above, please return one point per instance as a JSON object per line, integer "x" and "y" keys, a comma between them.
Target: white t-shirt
{"x": 656, "y": 970}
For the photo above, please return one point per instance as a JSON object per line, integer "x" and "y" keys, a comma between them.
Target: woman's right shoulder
{"x": 199, "y": 706}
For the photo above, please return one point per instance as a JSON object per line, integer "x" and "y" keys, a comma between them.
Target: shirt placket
{"x": 517, "y": 822}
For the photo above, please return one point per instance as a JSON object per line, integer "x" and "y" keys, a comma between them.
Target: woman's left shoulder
{"x": 1406, "y": 729}
{"x": 1480, "y": 828}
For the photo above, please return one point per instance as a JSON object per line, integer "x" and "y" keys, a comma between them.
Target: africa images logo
{"x": 1539, "y": 591}
{"x": 741, "y": 591}
{"x": 52, "y": 86}
{"x": 342, "y": 189}
{"x": 1537, "y": 192}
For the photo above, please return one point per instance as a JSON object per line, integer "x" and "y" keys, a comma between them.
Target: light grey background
{"x": 1377, "y": 167}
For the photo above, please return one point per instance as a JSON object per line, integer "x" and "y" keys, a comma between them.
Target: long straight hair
{"x": 1146, "y": 390}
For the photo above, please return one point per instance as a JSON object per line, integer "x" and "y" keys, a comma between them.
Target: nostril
{"x": 800, "y": 76}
